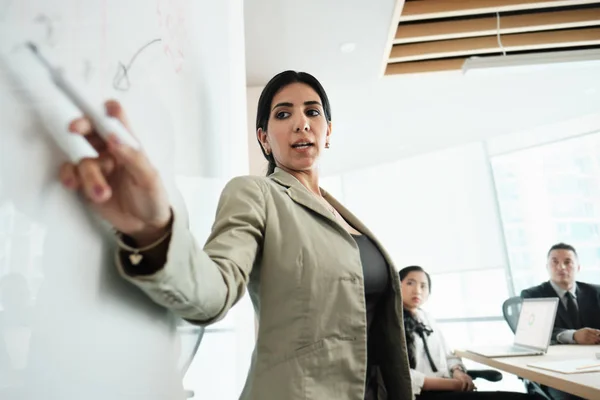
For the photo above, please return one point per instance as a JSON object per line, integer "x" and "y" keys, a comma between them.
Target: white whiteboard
{"x": 70, "y": 327}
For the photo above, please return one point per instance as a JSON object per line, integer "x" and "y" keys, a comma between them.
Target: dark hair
{"x": 414, "y": 268}
{"x": 562, "y": 246}
{"x": 277, "y": 83}
{"x": 411, "y": 324}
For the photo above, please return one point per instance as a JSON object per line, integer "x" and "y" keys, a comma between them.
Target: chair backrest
{"x": 511, "y": 309}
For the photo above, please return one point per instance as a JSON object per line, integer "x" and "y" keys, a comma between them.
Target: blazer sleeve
{"x": 526, "y": 294}
{"x": 201, "y": 285}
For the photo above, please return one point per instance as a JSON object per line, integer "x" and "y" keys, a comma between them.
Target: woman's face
{"x": 298, "y": 128}
{"x": 415, "y": 290}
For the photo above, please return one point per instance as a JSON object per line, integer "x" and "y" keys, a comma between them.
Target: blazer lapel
{"x": 358, "y": 225}
{"x": 300, "y": 194}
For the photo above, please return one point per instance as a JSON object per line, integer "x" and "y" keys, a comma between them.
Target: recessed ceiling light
{"x": 348, "y": 47}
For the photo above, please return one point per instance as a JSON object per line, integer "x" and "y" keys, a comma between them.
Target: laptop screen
{"x": 536, "y": 322}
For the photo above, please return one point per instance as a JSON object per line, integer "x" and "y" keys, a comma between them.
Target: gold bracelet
{"x": 135, "y": 257}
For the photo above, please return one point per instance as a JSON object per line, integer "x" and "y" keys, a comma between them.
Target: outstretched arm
{"x": 201, "y": 285}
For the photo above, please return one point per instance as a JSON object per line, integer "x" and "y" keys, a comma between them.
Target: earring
{"x": 327, "y": 145}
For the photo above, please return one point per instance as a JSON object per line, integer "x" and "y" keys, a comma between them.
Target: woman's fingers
{"x": 114, "y": 109}
{"x": 83, "y": 126}
{"x": 465, "y": 387}
{"x": 90, "y": 174}
{"x": 92, "y": 180}
{"x": 68, "y": 176}
{"x": 107, "y": 164}
{"x": 134, "y": 161}
{"x": 85, "y": 175}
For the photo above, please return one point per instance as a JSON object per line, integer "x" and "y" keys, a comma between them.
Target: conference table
{"x": 586, "y": 385}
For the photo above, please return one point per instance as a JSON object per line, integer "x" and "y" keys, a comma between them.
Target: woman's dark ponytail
{"x": 272, "y": 165}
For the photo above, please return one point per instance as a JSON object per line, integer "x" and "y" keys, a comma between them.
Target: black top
{"x": 376, "y": 280}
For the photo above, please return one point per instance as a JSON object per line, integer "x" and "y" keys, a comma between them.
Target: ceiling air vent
{"x": 440, "y": 35}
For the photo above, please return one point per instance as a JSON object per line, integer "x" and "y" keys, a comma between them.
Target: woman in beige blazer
{"x": 325, "y": 292}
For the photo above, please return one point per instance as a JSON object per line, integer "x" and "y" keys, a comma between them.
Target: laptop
{"x": 534, "y": 331}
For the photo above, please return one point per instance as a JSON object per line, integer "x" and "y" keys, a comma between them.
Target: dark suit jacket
{"x": 588, "y": 301}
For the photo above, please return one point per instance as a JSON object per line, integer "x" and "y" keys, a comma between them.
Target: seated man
{"x": 578, "y": 314}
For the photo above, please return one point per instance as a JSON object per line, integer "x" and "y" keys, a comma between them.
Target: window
{"x": 462, "y": 295}
{"x": 556, "y": 190}
{"x": 517, "y": 236}
{"x": 436, "y": 210}
{"x": 513, "y": 211}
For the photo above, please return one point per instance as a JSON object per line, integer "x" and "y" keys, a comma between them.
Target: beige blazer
{"x": 304, "y": 276}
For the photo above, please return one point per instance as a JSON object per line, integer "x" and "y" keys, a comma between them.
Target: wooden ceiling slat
{"x": 434, "y": 9}
{"x": 489, "y": 44}
{"x": 424, "y": 66}
{"x": 391, "y": 32}
{"x": 445, "y": 30}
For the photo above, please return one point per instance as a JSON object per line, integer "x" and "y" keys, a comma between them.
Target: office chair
{"x": 487, "y": 374}
{"x": 511, "y": 309}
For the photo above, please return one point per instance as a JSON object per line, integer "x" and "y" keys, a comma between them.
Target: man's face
{"x": 563, "y": 265}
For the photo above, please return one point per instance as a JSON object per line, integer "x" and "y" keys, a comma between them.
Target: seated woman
{"x": 435, "y": 371}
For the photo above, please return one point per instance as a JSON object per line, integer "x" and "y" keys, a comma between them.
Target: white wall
{"x": 546, "y": 133}
{"x": 257, "y": 162}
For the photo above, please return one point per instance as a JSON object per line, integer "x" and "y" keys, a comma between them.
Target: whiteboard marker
{"x": 104, "y": 124}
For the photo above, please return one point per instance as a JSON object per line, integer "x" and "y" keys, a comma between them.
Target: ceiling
{"x": 307, "y": 36}
{"x": 438, "y": 35}
{"x": 379, "y": 118}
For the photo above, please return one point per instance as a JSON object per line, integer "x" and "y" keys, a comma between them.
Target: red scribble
{"x": 171, "y": 21}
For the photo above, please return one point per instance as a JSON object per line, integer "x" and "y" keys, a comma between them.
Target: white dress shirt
{"x": 443, "y": 358}
{"x": 567, "y": 336}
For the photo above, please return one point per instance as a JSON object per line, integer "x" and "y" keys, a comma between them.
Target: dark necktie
{"x": 423, "y": 332}
{"x": 573, "y": 311}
